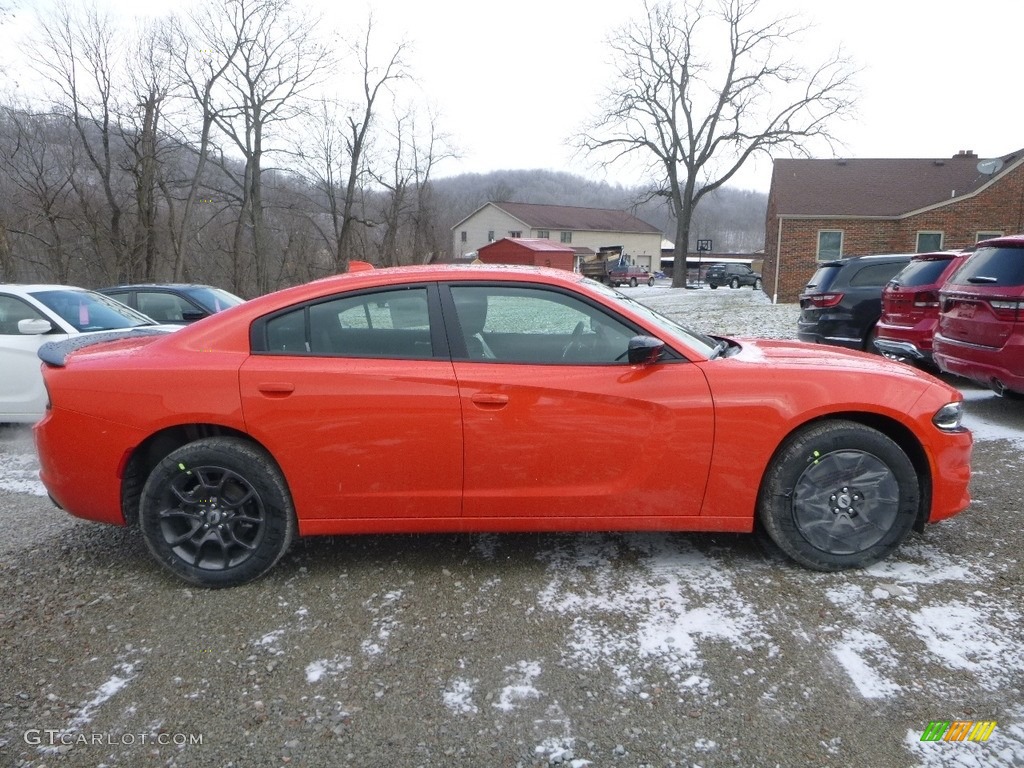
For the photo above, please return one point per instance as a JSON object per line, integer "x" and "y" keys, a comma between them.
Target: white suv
{"x": 30, "y": 316}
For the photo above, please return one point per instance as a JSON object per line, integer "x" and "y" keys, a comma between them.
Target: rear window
{"x": 921, "y": 272}
{"x": 992, "y": 266}
{"x": 822, "y": 278}
{"x": 876, "y": 274}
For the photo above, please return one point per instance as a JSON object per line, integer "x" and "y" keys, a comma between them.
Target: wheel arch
{"x": 891, "y": 428}
{"x": 151, "y": 451}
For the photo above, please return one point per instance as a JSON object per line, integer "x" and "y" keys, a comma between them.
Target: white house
{"x": 586, "y": 230}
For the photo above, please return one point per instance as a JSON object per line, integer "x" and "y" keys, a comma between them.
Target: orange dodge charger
{"x": 487, "y": 398}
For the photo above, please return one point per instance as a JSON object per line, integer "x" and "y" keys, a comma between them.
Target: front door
{"x": 559, "y": 429}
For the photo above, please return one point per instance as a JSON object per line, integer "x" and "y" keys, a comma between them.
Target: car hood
{"x": 797, "y": 354}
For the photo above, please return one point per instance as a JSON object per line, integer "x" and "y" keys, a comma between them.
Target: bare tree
{"x": 198, "y": 69}
{"x": 695, "y": 119}
{"x": 337, "y": 155}
{"x": 275, "y": 59}
{"x": 149, "y": 77}
{"x": 78, "y": 55}
{"x": 37, "y": 159}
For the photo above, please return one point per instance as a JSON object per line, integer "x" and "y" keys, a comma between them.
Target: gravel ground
{"x": 519, "y": 650}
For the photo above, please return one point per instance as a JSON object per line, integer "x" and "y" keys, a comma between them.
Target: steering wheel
{"x": 574, "y": 340}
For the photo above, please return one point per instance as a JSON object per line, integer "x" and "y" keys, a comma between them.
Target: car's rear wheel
{"x": 734, "y": 283}
{"x": 217, "y": 512}
{"x": 633, "y": 282}
{"x": 839, "y": 495}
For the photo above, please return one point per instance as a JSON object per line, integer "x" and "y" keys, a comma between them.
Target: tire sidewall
{"x": 257, "y": 468}
{"x": 775, "y": 507}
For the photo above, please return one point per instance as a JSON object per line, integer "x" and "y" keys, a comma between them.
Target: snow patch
{"x": 519, "y": 685}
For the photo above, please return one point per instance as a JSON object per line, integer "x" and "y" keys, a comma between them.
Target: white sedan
{"x": 31, "y": 315}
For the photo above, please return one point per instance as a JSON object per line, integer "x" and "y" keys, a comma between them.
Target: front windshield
{"x": 88, "y": 311}
{"x": 704, "y": 345}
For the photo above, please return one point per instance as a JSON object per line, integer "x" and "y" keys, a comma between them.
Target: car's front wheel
{"x": 757, "y": 284}
{"x": 633, "y": 282}
{"x": 650, "y": 282}
{"x": 839, "y": 495}
{"x": 217, "y": 512}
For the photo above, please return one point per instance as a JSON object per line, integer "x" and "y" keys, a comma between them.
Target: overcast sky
{"x": 513, "y": 81}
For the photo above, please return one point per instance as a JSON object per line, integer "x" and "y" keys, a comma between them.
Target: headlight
{"x": 948, "y": 416}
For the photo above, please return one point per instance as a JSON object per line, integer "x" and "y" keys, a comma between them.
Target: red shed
{"x": 533, "y": 252}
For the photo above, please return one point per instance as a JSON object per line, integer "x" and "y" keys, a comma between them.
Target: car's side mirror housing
{"x": 644, "y": 350}
{"x": 34, "y": 326}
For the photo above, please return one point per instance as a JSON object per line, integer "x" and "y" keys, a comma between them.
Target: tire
{"x": 734, "y": 283}
{"x": 869, "y": 341}
{"x": 839, "y": 495}
{"x": 757, "y": 284}
{"x": 650, "y": 282}
{"x": 633, "y": 282}
{"x": 713, "y": 286}
{"x": 217, "y": 512}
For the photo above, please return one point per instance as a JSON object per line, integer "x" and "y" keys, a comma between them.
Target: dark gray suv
{"x": 842, "y": 302}
{"x": 733, "y": 275}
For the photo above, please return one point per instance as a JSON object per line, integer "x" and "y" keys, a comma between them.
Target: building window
{"x": 929, "y": 241}
{"x": 490, "y": 236}
{"x": 543, "y": 234}
{"x": 986, "y": 236}
{"x": 567, "y": 237}
{"x": 830, "y": 244}
{"x": 463, "y": 236}
{"x": 515, "y": 233}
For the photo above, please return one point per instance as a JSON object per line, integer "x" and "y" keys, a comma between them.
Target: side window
{"x": 13, "y": 310}
{"x": 163, "y": 307}
{"x": 383, "y": 324}
{"x": 830, "y": 244}
{"x": 877, "y": 274}
{"x": 533, "y": 325}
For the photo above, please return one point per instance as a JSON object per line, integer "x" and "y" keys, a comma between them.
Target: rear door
{"x": 561, "y": 432}
{"x": 356, "y": 398}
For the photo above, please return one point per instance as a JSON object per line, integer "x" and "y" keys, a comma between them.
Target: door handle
{"x": 276, "y": 388}
{"x": 490, "y": 400}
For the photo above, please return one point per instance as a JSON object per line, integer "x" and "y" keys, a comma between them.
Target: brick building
{"x": 826, "y": 209}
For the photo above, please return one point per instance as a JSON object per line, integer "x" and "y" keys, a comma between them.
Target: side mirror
{"x": 191, "y": 315}
{"x": 35, "y": 326}
{"x": 644, "y": 350}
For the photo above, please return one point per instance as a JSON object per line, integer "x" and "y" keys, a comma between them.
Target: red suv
{"x": 981, "y": 325}
{"x": 910, "y": 306}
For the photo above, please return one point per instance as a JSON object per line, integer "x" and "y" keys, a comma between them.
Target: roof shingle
{"x": 881, "y": 187}
{"x": 565, "y": 217}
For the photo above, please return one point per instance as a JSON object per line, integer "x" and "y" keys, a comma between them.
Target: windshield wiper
{"x": 720, "y": 347}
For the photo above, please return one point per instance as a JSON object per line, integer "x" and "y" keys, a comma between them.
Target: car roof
{"x": 137, "y": 286}
{"x": 22, "y": 289}
{"x": 1006, "y": 241}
